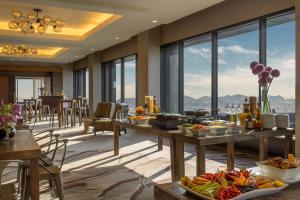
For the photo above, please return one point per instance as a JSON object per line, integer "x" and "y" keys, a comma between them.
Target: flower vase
{"x": 266, "y": 107}
{"x": 7, "y": 133}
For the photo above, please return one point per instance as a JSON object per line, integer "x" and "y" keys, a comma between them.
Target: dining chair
{"x": 8, "y": 190}
{"x": 52, "y": 172}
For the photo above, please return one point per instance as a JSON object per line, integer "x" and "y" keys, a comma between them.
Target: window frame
{"x": 262, "y": 21}
{"x": 109, "y": 77}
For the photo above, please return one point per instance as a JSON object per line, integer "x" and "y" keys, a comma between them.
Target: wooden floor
{"x": 92, "y": 171}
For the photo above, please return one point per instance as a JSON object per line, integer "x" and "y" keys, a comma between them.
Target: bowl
{"x": 183, "y": 129}
{"x": 199, "y": 132}
{"x": 217, "y": 130}
{"x": 139, "y": 121}
{"x": 284, "y": 175}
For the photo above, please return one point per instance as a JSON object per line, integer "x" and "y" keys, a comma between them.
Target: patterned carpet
{"x": 91, "y": 171}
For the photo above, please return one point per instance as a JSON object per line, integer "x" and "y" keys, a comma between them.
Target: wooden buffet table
{"x": 24, "y": 147}
{"x": 148, "y": 129}
{"x": 171, "y": 191}
{"x": 177, "y": 141}
{"x": 229, "y": 140}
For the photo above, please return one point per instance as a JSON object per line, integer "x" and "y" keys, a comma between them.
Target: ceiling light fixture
{"x": 32, "y": 21}
{"x": 92, "y": 49}
{"x": 117, "y": 38}
{"x": 20, "y": 50}
{"x": 154, "y": 21}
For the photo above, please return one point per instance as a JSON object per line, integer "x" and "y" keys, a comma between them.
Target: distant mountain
{"x": 279, "y": 103}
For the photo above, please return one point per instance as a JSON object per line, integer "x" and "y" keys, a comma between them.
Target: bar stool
{"x": 80, "y": 108}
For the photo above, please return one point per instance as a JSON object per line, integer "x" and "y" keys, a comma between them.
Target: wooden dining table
{"x": 24, "y": 147}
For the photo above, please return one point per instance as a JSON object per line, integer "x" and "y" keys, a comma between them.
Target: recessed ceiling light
{"x": 92, "y": 49}
{"x": 117, "y": 38}
{"x": 154, "y": 21}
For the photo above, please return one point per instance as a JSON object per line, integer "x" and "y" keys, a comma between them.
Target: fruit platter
{"x": 235, "y": 185}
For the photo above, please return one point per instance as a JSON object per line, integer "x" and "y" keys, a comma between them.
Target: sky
{"x": 235, "y": 53}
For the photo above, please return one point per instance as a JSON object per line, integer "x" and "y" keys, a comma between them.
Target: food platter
{"x": 244, "y": 196}
{"x": 233, "y": 184}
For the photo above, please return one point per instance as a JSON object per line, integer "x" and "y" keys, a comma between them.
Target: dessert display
{"x": 225, "y": 185}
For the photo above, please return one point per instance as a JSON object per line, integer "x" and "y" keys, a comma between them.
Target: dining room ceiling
{"x": 90, "y": 25}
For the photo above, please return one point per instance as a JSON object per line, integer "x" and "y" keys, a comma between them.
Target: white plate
{"x": 248, "y": 195}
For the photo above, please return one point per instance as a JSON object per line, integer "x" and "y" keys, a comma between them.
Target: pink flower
{"x": 265, "y": 74}
{"x": 253, "y": 64}
{"x": 262, "y": 82}
{"x": 269, "y": 69}
{"x": 259, "y": 68}
{"x": 275, "y": 73}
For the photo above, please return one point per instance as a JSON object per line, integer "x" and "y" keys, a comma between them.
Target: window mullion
{"x": 262, "y": 47}
{"x": 214, "y": 81}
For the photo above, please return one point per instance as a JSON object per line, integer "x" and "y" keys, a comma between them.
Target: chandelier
{"x": 33, "y": 22}
{"x": 21, "y": 50}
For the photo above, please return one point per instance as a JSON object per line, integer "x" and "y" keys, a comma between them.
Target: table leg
{"x": 116, "y": 139}
{"x": 74, "y": 114}
{"x": 288, "y": 145}
{"x": 263, "y": 148}
{"x": 230, "y": 156}
{"x": 160, "y": 140}
{"x": 177, "y": 155}
{"x": 34, "y": 179}
{"x": 200, "y": 159}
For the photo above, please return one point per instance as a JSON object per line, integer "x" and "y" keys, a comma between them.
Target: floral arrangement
{"x": 9, "y": 114}
{"x": 266, "y": 76}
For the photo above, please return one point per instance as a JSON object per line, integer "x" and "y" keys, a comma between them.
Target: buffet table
{"x": 147, "y": 129}
{"x": 229, "y": 140}
{"x": 177, "y": 141}
{"x": 172, "y": 191}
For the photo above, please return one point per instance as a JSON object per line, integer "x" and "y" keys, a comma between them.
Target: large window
{"x": 197, "y": 73}
{"x": 119, "y": 81}
{"x": 81, "y": 83}
{"x": 27, "y": 88}
{"x": 130, "y": 81}
{"x": 237, "y": 48}
{"x": 117, "y": 66}
{"x": 212, "y": 71}
{"x": 281, "y": 55}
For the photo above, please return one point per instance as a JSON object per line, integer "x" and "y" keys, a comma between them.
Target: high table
{"x": 229, "y": 140}
{"x": 61, "y": 114}
{"x": 171, "y": 191}
{"x": 24, "y": 147}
